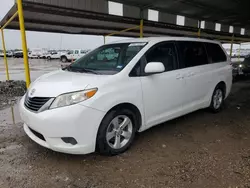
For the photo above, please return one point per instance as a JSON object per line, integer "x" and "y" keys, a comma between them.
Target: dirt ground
{"x": 198, "y": 150}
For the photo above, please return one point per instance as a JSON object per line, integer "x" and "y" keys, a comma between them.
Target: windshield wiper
{"x": 80, "y": 69}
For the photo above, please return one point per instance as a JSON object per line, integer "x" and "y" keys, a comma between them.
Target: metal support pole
{"x": 122, "y": 31}
{"x": 24, "y": 42}
{"x": 199, "y": 28}
{"x": 231, "y": 48}
{"x": 10, "y": 20}
{"x": 13, "y": 115}
{"x": 141, "y": 28}
{"x": 5, "y": 56}
{"x": 239, "y": 52}
{"x": 104, "y": 39}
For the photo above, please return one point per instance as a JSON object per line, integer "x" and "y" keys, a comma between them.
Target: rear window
{"x": 215, "y": 53}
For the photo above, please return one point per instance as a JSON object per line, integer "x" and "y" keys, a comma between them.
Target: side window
{"x": 164, "y": 53}
{"x": 192, "y": 54}
{"x": 82, "y": 52}
{"x": 215, "y": 53}
{"x": 76, "y": 51}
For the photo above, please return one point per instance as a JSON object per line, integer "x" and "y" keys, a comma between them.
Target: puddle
{"x": 11, "y": 147}
{"x": 10, "y": 116}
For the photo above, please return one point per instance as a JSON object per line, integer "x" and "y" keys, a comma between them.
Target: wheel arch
{"x": 223, "y": 86}
{"x": 133, "y": 108}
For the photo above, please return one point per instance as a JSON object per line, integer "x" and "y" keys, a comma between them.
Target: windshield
{"x": 107, "y": 59}
{"x": 70, "y": 52}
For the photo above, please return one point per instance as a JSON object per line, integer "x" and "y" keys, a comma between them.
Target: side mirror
{"x": 154, "y": 68}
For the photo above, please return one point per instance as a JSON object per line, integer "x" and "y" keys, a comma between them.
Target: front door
{"x": 163, "y": 93}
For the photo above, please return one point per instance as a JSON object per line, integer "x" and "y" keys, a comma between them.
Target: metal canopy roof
{"x": 231, "y": 12}
{"x": 81, "y": 18}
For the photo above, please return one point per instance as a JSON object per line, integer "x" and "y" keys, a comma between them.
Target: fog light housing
{"x": 69, "y": 140}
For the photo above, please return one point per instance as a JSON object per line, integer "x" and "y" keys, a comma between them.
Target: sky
{"x": 61, "y": 41}
{"x": 49, "y": 40}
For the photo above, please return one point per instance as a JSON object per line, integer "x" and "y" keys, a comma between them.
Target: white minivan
{"x": 98, "y": 103}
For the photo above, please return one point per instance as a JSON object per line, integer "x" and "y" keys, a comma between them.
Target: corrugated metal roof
{"x": 230, "y": 12}
{"x": 55, "y": 16}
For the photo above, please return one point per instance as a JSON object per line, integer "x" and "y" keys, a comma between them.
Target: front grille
{"x": 39, "y": 135}
{"x": 35, "y": 103}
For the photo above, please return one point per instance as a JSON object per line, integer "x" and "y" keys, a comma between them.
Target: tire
{"x": 107, "y": 137}
{"x": 64, "y": 59}
{"x": 217, "y": 100}
{"x": 48, "y": 58}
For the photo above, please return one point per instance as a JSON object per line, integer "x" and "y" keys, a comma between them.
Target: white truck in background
{"x": 72, "y": 55}
{"x": 53, "y": 54}
{"x": 35, "y": 53}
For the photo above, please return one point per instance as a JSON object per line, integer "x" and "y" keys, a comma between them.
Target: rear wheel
{"x": 116, "y": 132}
{"x": 48, "y": 58}
{"x": 217, "y": 100}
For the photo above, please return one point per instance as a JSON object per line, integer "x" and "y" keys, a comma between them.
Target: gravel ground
{"x": 198, "y": 150}
{"x": 10, "y": 91}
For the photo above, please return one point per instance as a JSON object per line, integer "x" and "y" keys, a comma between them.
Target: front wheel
{"x": 64, "y": 59}
{"x": 217, "y": 100}
{"x": 116, "y": 132}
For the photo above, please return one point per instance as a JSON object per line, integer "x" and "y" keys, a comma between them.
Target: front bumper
{"x": 76, "y": 121}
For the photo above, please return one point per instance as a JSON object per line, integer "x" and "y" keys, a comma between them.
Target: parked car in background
{"x": 9, "y": 54}
{"x": 44, "y": 54}
{"x": 32, "y": 55}
{"x": 35, "y": 53}
{"x": 242, "y": 68}
{"x": 18, "y": 54}
{"x": 100, "y": 101}
{"x": 53, "y": 55}
{"x": 1, "y": 53}
{"x": 72, "y": 55}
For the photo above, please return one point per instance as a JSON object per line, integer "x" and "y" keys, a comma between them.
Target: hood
{"x": 59, "y": 82}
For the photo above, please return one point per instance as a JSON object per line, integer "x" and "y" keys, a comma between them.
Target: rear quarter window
{"x": 215, "y": 53}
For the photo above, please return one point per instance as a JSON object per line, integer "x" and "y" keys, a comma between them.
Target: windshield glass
{"x": 70, "y": 52}
{"x": 107, "y": 59}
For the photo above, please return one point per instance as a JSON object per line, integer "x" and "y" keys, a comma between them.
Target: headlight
{"x": 72, "y": 98}
{"x": 240, "y": 65}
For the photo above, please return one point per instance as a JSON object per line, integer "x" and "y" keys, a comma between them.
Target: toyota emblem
{"x": 32, "y": 92}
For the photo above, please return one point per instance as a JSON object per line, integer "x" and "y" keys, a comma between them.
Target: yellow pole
{"x": 122, "y": 31}
{"x": 13, "y": 115}
{"x": 199, "y": 30}
{"x": 141, "y": 28}
{"x": 231, "y": 48}
{"x": 10, "y": 20}
{"x": 24, "y": 42}
{"x": 5, "y": 57}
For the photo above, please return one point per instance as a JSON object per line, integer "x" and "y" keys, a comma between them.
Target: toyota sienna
{"x": 103, "y": 99}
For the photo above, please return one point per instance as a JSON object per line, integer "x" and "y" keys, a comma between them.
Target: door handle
{"x": 190, "y": 74}
{"x": 179, "y": 77}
